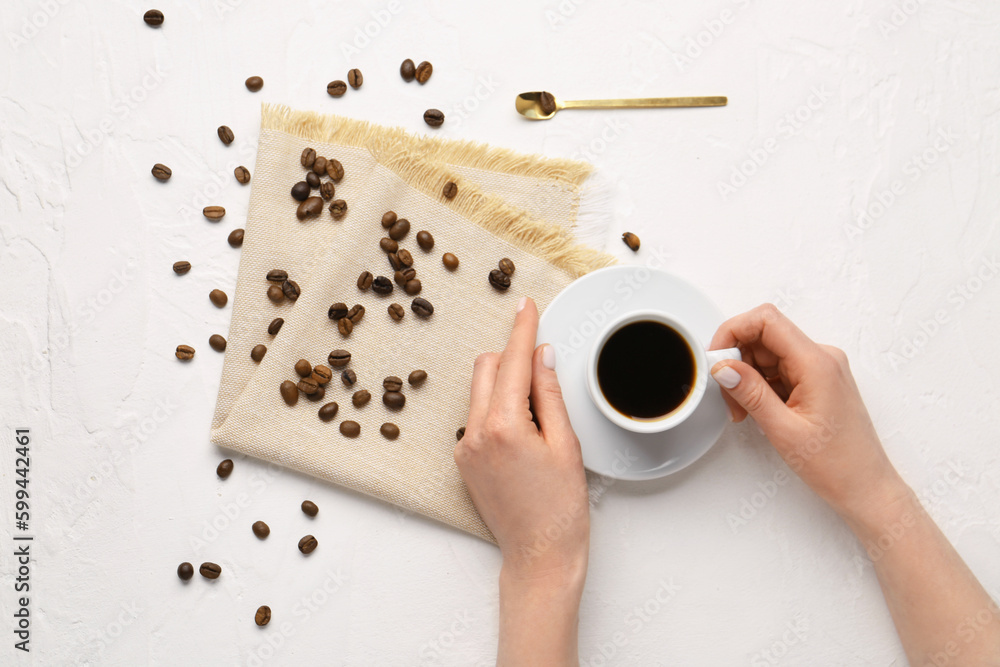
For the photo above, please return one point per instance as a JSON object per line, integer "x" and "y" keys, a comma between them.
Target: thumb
{"x": 547, "y": 399}
{"x": 749, "y": 388}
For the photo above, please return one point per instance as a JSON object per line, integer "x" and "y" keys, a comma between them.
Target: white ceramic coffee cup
{"x": 703, "y": 362}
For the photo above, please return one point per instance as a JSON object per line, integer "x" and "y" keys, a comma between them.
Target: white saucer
{"x": 573, "y": 322}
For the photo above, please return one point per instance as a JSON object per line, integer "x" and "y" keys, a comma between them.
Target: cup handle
{"x": 715, "y": 356}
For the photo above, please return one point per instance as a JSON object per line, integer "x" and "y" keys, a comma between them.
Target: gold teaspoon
{"x": 543, "y": 105}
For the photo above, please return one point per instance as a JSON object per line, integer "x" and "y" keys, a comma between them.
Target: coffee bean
{"x": 309, "y": 508}
{"x": 224, "y": 469}
{"x": 308, "y": 385}
{"x": 345, "y": 326}
{"x": 334, "y": 170}
{"x": 425, "y": 240}
{"x": 349, "y": 377}
{"x": 254, "y": 84}
{"x": 547, "y": 103}
{"x": 319, "y": 166}
{"x": 499, "y": 280}
{"x": 322, "y": 374}
{"x": 450, "y": 190}
{"x": 450, "y": 261}
{"x": 412, "y": 287}
{"x": 184, "y": 352}
{"x": 275, "y": 326}
{"x": 407, "y": 70}
{"x": 217, "y": 343}
{"x": 396, "y": 311}
{"x": 327, "y": 190}
{"x": 210, "y": 570}
{"x": 310, "y": 208}
{"x": 424, "y": 71}
{"x": 356, "y": 313}
{"x": 382, "y": 286}
{"x": 317, "y": 395}
{"x": 388, "y": 245}
{"x": 337, "y": 311}
{"x": 389, "y": 430}
{"x": 277, "y": 275}
{"x": 355, "y": 79}
{"x": 507, "y": 266}
{"x": 308, "y": 157}
{"x": 339, "y": 358}
{"x": 312, "y": 179}
{"x": 460, "y": 433}
{"x": 350, "y": 428}
{"x": 394, "y": 261}
{"x": 394, "y": 400}
{"x": 218, "y": 298}
{"x": 338, "y": 208}
{"x": 180, "y": 268}
{"x": 258, "y": 352}
{"x": 161, "y": 172}
{"x": 328, "y": 412}
{"x": 388, "y": 219}
{"x": 242, "y": 175}
{"x": 303, "y": 368}
{"x": 403, "y": 276}
{"x": 154, "y": 18}
{"x": 275, "y": 294}
{"x": 405, "y": 258}
{"x": 399, "y": 229}
{"x": 336, "y": 88}
{"x": 260, "y": 529}
{"x": 434, "y": 117}
{"x": 361, "y": 398}
{"x": 214, "y": 213}
{"x": 365, "y": 280}
{"x": 308, "y": 543}
{"x": 236, "y": 238}
{"x": 631, "y": 240}
{"x": 422, "y": 307}
{"x": 417, "y": 378}
{"x": 263, "y": 615}
{"x": 226, "y": 134}
{"x": 392, "y": 383}
{"x": 185, "y": 571}
{"x": 291, "y": 290}
{"x": 289, "y": 392}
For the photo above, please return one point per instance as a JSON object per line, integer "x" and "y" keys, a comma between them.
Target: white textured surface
{"x": 123, "y": 481}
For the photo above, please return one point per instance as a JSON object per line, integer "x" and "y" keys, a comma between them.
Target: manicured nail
{"x": 549, "y": 357}
{"x": 727, "y": 377}
{"x": 521, "y": 303}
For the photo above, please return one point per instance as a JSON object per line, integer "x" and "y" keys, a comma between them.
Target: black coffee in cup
{"x": 645, "y": 370}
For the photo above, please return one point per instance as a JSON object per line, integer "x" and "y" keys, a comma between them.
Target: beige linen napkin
{"x": 509, "y": 205}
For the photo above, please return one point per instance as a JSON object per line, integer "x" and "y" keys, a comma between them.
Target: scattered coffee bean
{"x": 407, "y": 70}
{"x": 180, "y": 268}
{"x": 154, "y": 18}
{"x": 185, "y": 571}
{"x": 236, "y": 238}
{"x": 309, "y": 508}
{"x": 388, "y": 245}
{"x": 355, "y": 79}
{"x": 361, "y": 398}
{"x": 450, "y": 261}
{"x": 507, "y": 266}
{"x": 382, "y": 286}
{"x": 289, "y": 392}
{"x": 394, "y": 400}
{"x": 425, "y": 240}
{"x": 217, "y": 343}
{"x": 631, "y": 240}
{"x": 263, "y": 615}
{"x": 275, "y": 326}
{"x": 317, "y": 395}
{"x": 291, "y": 290}
{"x": 337, "y": 311}
{"x": 161, "y": 172}
{"x": 308, "y": 385}
{"x": 392, "y": 383}
{"x": 339, "y": 358}
{"x": 388, "y": 219}
{"x": 328, "y": 412}
{"x": 275, "y": 294}
{"x": 310, "y": 208}
{"x": 356, "y": 313}
{"x": 327, "y": 190}
{"x": 308, "y": 543}
{"x": 214, "y": 213}
{"x": 226, "y": 134}
{"x": 434, "y": 117}
{"x": 312, "y": 179}
{"x": 319, "y": 166}
{"x": 210, "y": 570}
{"x": 365, "y": 280}
{"x": 547, "y": 103}
{"x": 260, "y": 529}
{"x": 399, "y": 229}
{"x": 303, "y": 368}
{"x": 349, "y": 377}
{"x": 218, "y": 298}
{"x": 338, "y": 208}
{"x": 422, "y": 307}
{"x": 184, "y": 352}
{"x": 345, "y": 326}
{"x": 336, "y": 88}
{"x": 254, "y": 84}
{"x": 334, "y": 170}
{"x": 277, "y": 275}
{"x": 389, "y": 430}
{"x": 258, "y": 352}
{"x": 322, "y": 374}
{"x": 224, "y": 469}
{"x": 403, "y": 276}
{"x": 424, "y": 71}
{"x": 499, "y": 280}
{"x": 242, "y": 175}
{"x": 460, "y": 433}
{"x": 394, "y": 261}
{"x": 405, "y": 258}
{"x": 412, "y": 287}
{"x": 417, "y": 378}
{"x": 308, "y": 157}
{"x": 396, "y": 311}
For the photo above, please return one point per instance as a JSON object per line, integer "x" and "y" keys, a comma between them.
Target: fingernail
{"x": 727, "y": 377}
{"x": 549, "y": 357}
{"x": 521, "y": 303}
{"x": 759, "y": 429}
{"x": 729, "y": 413}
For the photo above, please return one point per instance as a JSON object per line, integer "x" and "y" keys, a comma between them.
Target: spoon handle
{"x": 646, "y": 102}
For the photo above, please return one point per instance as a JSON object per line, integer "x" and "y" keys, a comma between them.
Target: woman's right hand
{"x": 803, "y": 397}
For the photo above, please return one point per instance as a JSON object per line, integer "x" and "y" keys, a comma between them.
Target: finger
{"x": 767, "y": 330}
{"x": 547, "y": 400}
{"x": 514, "y": 375}
{"x": 484, "y": 376}
{"x": 753, "y": 393}
{"x": 736, "y": 411}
